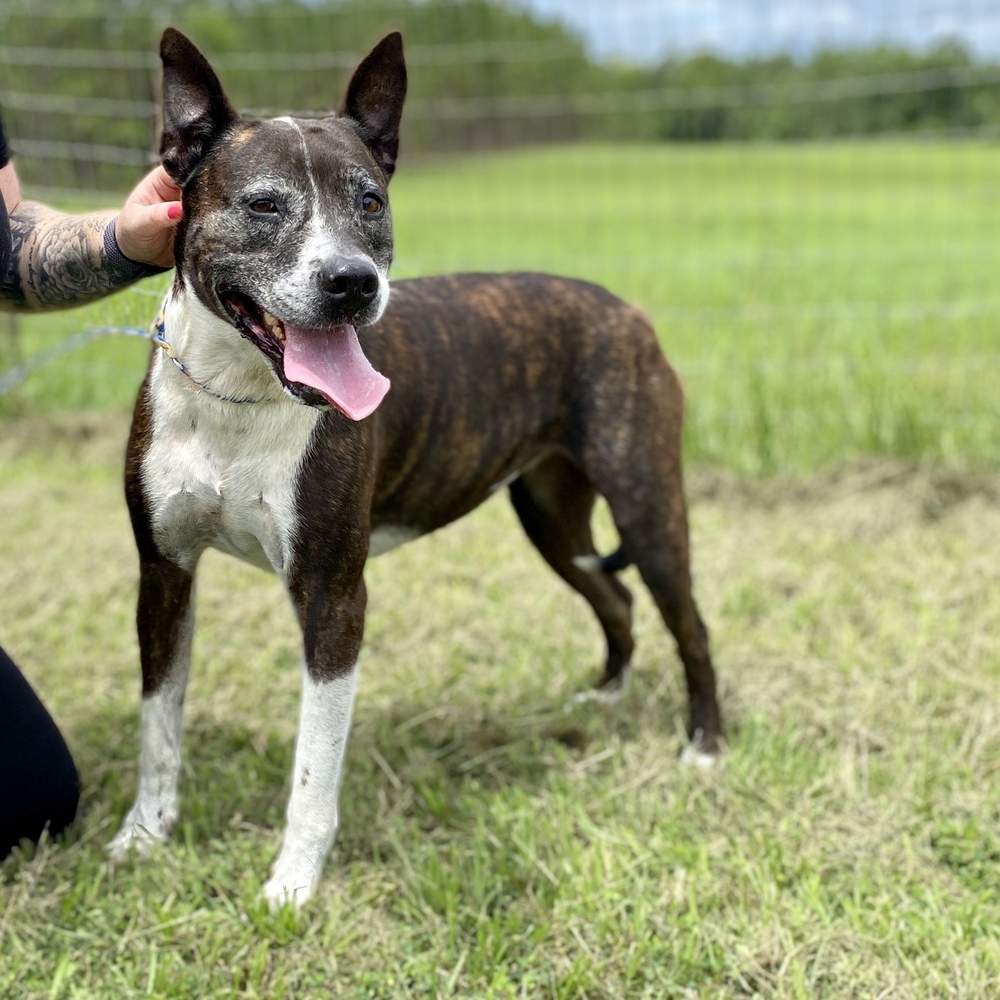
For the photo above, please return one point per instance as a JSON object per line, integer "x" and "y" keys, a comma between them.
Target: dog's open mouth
{"x": 328, "y": 360}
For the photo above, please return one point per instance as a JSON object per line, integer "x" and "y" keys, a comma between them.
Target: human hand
{"x": 145, "y": 225}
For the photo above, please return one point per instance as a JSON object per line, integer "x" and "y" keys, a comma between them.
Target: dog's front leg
{"x": 165, "y": 620}
{"x": 332, "y": 638}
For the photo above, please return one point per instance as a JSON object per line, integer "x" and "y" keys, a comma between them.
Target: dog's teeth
{"x": 273, "y": 325}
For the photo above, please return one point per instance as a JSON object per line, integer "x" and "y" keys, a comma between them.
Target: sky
{"x": 648, "y": 30}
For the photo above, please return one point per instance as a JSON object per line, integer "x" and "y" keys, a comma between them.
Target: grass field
{"x": 832, "y": 313}
{"x": 820, "y": 302}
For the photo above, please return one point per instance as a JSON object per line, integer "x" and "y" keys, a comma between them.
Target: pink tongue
{"x": 332, "y": 361}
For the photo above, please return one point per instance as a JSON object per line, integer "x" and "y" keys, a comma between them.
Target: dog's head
{"x": 286, "y": 233}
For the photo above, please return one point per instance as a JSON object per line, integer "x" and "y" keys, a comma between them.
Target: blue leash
{"x": 16, "y": 375}
{"x": 155, "y": 335}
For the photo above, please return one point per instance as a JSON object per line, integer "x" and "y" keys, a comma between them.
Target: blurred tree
{"x": 482, "y": 74}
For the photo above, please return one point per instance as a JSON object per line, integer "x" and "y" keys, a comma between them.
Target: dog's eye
{"x": 263, "y": 206}
{"x": 372, "y": 204}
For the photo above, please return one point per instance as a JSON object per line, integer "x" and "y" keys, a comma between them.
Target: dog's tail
{"x": 614, "y": 563}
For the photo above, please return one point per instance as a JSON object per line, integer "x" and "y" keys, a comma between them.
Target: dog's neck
{"x": 159, "y": 335}
{"x": 210, "y": 357}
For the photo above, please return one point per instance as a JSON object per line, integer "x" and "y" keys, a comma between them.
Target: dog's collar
{"x": 158, "y": 334}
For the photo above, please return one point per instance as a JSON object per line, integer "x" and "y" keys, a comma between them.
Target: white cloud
{"x": 650, "y": 29}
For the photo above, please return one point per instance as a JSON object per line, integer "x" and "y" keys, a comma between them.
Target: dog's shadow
{"x": 431, "y": 765}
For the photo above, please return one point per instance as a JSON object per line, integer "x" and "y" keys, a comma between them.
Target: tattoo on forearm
{"x": 61, "y": 260}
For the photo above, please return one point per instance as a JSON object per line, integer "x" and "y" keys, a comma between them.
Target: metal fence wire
{"x": 79, "y": 84}
{"x": 79, "y": 88}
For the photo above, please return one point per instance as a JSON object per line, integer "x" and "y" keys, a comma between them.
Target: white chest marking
{"x": 223, "y": 475}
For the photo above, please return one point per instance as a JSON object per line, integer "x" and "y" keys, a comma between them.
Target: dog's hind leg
{"x": 659, "y": 546}
{"x": 554, "y": 501}
{"x": 165, "y": 621}
{"x": 640, "y": 477}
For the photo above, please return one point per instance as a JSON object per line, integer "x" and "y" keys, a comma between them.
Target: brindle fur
{"x": 550, "y": 385}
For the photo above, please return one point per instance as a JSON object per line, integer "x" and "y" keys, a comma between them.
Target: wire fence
{"x": 79, "y": 98}
{"x": 79, "y": 88}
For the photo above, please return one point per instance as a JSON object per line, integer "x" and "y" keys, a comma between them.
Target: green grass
{"x": 494, "y": 844}
{"x": 821, "y": 302}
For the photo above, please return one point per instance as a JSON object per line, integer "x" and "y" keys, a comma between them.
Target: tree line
{"x": 482, "y": 74}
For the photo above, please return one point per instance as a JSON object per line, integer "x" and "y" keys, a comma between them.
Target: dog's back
{"x": 491, "y": 371}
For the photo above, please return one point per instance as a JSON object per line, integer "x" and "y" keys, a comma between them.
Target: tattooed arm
{"x": 59, "y": 260}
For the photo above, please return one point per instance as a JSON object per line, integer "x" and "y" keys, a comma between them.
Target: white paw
{"x": 693, "y": 756}
{"x": 282, "y": 891}
{"x": 139, "y": 835}
{"x": 609, "y": 694}
{"x": 603, "y": 696}
{"x": 133, "y": 839}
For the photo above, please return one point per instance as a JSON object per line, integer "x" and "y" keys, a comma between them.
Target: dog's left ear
{"x": 196, "y": 112}
{"x": 375, "y": 100}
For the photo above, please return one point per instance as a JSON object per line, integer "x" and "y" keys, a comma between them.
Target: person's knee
{"x": 39, "y": 784}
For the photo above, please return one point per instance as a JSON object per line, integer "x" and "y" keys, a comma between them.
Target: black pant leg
{"x": 39, "y": 786}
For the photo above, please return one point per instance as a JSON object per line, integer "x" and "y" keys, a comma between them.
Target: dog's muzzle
{"x": 317, "y": 365}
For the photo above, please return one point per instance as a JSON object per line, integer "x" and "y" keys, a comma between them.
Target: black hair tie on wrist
{"x": 5, "y": 241}
{"x": 123, "y": 269}
{"x": 5, "y": 236}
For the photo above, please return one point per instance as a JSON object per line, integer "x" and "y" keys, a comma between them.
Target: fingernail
{"x": 174, "y": 211}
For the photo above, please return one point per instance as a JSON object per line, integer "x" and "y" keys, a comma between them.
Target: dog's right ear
{"x": 196, "y": 112}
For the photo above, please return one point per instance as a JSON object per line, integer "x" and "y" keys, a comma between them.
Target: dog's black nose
{"x": 349, "y": 285}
